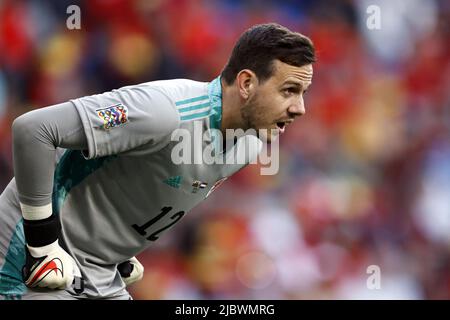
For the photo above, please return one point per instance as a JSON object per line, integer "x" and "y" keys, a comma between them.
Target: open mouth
{"x": 281, "y": 126}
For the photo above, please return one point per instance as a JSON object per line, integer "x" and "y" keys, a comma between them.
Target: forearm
{"x": 36, "y": 135}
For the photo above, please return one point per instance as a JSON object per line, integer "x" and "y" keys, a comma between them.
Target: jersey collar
{"x": 215, "y": 98}
{"x": 215, "y": 116}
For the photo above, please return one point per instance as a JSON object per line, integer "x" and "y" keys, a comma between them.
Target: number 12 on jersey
{"x": 154, "y": 236}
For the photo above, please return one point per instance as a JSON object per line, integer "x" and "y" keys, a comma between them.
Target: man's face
{"x": 275, "y": 103}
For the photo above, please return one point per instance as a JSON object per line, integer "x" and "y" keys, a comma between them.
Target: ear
{"x": 246, "y": 81}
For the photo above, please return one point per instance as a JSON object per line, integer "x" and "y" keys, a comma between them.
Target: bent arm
{"x": 36, "y": 135}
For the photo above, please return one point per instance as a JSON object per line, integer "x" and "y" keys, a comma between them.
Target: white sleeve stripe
{"x": 36, "y": 213}
{"x": 192, "y": 107}
{"x": 191, "y": 100}
{"x": 195, "y": 111}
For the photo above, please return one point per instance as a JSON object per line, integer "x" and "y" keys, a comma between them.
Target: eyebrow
{"x": 295, "y": 83}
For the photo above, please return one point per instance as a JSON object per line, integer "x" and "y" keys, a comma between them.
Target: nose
{"x": 297, "y": 108}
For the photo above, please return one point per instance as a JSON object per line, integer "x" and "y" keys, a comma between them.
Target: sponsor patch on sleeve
{"x": 113, "y": 116}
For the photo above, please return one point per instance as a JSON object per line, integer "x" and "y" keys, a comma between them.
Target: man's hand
{"x": 131, "y": 271}
{"x": 49, "y": 266}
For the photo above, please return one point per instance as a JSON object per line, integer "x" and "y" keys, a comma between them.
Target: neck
{"x": 231, "y": 116}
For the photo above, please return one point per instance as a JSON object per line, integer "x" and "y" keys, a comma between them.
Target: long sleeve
{"x": 36, "y": 135}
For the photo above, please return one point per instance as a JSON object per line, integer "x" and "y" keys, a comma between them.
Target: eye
{"x": 290, "y": 91}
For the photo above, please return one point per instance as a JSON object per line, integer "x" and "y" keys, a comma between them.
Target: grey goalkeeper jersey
{"x": 144, "y": 169}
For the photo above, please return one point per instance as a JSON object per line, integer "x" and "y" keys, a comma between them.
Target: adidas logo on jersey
{"x": 174, "y": 181}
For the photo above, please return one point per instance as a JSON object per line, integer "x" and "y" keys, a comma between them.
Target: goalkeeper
{"x": 95, "y": 183}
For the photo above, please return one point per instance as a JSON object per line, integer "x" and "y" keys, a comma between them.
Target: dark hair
{"x": 260, "y": 45}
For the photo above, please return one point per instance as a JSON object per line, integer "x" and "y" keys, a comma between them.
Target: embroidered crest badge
{"x": 113, "y": 116}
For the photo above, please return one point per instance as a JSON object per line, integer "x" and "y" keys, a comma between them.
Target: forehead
{"x": 283, "y": 72}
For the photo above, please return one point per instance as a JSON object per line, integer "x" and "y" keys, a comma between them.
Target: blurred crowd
{"x": 364, "y": 179}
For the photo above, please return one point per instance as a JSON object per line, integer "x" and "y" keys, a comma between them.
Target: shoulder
{"x": 175, "y": 90}
{"x": 190, "y": 99}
